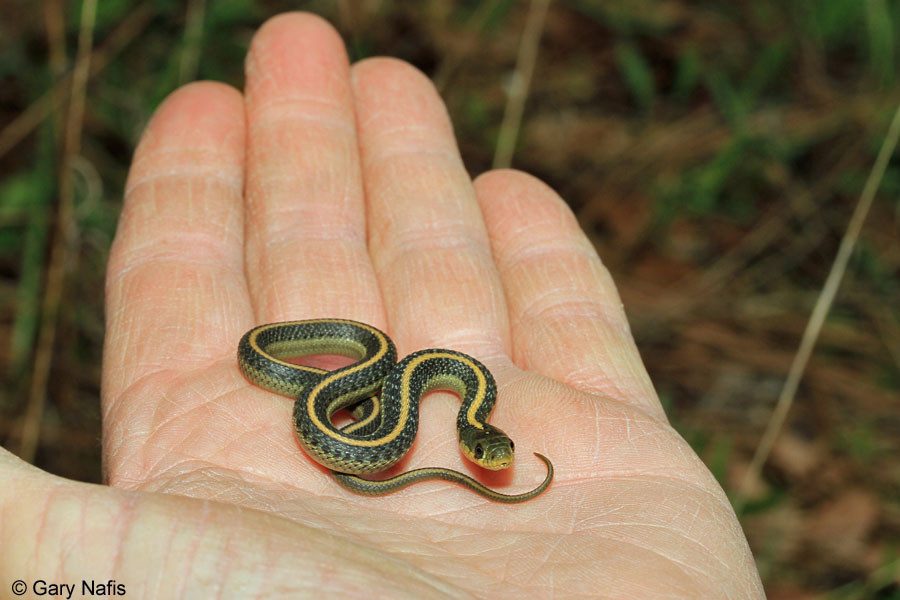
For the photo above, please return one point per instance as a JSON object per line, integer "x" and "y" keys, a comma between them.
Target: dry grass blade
{"x": 193, "y": 38}
{"x": 521, "y": 81}
{"x": 63, "y": 238}
{"x": 821, "y": 309}
{"x": 35, "y": 114}
{"x": 54, "y": 22}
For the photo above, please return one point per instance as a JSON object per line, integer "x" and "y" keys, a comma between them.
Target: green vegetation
{"x": 714, "y": 151}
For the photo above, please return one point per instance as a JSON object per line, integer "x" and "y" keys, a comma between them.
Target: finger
{"x": 566, "y": 316}
{"x": 427, "y": 239}
{"x": 176, "y": 295}
{"x": 306, "y": 237}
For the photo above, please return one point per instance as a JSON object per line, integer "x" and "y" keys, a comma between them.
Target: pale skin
{"x": 330, "y": 190}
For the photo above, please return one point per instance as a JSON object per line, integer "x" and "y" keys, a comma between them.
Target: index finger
{"x": 175, "y": 289}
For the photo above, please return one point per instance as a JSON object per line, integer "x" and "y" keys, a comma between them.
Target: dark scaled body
{"x": 385, "y": 425}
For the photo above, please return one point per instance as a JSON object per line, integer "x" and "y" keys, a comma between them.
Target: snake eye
{"x": 479, "y": 452}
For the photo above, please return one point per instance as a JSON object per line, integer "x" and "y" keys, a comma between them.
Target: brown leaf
{"x": 795, "y": 456}
{"x": 841, "y": 527}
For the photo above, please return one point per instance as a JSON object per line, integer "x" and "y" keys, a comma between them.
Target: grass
{"x": 714, "y": 152}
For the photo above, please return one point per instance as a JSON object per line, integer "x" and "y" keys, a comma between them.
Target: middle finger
{"x": 427, "y": 239}
{"x": 306, "y": 239}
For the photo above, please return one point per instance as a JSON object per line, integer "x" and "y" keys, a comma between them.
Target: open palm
{"x": 331, "y": 191}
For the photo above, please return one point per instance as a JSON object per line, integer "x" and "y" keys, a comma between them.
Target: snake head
{"x": 487, "y": 447}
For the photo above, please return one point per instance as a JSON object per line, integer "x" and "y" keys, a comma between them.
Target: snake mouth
{"x": 497, "y": 465}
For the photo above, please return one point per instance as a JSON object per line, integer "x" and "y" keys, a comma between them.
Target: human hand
{"x": 331, "y": 191}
